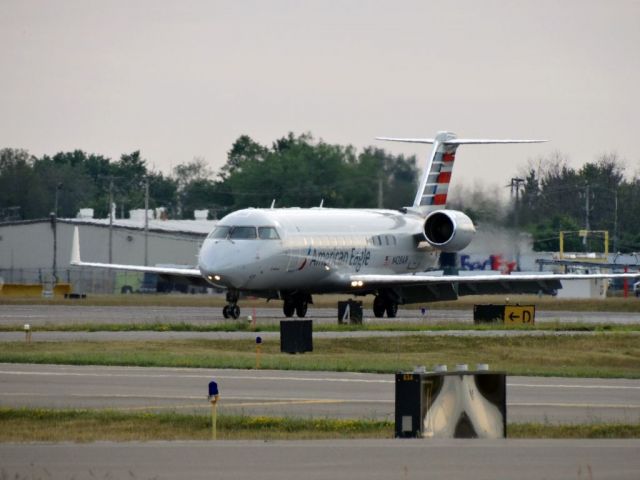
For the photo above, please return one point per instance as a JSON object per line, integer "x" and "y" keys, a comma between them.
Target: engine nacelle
{"x": 448, "y": 230}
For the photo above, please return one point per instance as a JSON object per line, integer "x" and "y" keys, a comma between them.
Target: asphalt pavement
{"x": 321, "y": 460}
{"x": 294, "y": 393}
{"x": 38, "y": 315}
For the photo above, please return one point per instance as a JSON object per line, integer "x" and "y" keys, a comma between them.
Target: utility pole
{"x": 615, "y": 223}
{"x": 111, "y": 220}
{"x": 586, "y": 218}
{"x": 380, "y": 191}
{"x": 146, "y": 221}
{"x": 515, "y": 188}
{"x": 54, "y": 226}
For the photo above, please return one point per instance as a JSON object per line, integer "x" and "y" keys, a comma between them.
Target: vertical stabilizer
{"x": 434, "y": 184}
{"x": 436, "y": 176}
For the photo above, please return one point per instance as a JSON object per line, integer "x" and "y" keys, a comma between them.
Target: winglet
{"x": 75, "y": 248}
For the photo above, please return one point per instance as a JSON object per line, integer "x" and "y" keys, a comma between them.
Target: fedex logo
{"x": 494, "y": 262}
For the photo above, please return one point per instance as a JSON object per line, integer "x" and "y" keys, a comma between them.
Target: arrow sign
{"x": 521, "y": 314}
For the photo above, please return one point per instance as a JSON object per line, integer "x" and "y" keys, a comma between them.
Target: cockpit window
{"x": 243, "y": 233}
{"x": 268, "y": 233}
{"x": 219, "y": 232}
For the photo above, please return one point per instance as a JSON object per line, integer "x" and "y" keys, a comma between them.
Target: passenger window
{"x": 268, "y": 233}
{"x": 219, "y": 232}
{"x": 243, "y": 233}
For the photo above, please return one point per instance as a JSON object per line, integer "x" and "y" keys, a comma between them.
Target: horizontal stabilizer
{"x": 459, "y": 141}
{"x": 434, "y": 184}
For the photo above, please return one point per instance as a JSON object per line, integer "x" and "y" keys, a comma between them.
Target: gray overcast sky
{"x": 179, "y": 79}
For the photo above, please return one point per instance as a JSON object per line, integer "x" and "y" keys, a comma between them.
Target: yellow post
{"x": 258, "y": 356}
{"x": 214, "y": 418}
{"x": 214, "y": 395}
{"x": 258, "y": 344}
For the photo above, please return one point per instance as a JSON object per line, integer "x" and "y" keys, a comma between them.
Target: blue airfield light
{"x": 258, "y": 340}
{"x": 213, "y": 389}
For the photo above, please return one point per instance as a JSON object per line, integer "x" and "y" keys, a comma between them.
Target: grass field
{"x": 48, "y": 425}
{"x": 544, "y": 303}
{"x": 598, "y": 355}
{"x": 274, "y": 326}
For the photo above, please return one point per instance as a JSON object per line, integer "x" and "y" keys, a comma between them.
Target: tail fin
{"x": 434, "y": 184}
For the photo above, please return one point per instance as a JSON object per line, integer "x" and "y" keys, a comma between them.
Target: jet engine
{"x": 448, "y": 230}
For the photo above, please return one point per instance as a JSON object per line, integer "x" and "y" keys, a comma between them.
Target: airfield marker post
{"x": 214, "y": 395}
{"x": 27, "y": 332}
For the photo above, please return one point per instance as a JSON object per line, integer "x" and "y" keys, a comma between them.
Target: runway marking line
{"x": 236, "y": 405}
{"x": 246, "y": 401}
{"x": 224, "y": 377}
{"x": 300, "y": 379}
{"x": 575, "y": 405}
{"x": 549, "y": 385}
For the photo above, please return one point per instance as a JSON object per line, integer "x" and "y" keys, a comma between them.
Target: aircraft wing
{"x": 470, "y": 281}
{"x": 174, "y": 271}
{"x": 194, "y": 273}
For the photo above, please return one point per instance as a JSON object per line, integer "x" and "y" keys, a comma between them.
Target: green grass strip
{"x": 30, "y": 425}
{"x": 611, "y": 355}
{"x": 36, "y": 425}
{"x": 274, "y": 326}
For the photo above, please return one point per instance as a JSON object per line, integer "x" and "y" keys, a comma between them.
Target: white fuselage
{"x": 315, "y": 249}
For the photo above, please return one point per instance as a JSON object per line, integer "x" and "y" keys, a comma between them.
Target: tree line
{"x": 293, "y": 171}
{"x": 548, "y": 195}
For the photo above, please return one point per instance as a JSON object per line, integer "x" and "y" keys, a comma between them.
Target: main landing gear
{"x": 382, "y": 304}
{"x": 297, "y": 304}
{"x": 231, "y": 310}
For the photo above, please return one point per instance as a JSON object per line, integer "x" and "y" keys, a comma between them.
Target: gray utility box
{"x": 350, "y": 311}
{"x": 296, "y": 336}
{"x": 451, "y": 405}
{"x": 488, "y": 313}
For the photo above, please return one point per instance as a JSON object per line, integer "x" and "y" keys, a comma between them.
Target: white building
{"x": 27, "y": 248}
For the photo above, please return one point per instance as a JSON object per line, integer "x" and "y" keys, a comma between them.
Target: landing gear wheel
{"x": 301, "y": 309}
{"x": 379, "y": 307}
{"x": 288, "y": 309}
{"x": 231, "y": 311}
{"x": 392, "y": 309}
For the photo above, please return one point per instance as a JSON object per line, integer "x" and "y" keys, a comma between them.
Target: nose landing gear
{"x": 231, "y": 310}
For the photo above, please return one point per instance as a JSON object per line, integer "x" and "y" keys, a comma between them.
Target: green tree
{"x": 19, "y": 186}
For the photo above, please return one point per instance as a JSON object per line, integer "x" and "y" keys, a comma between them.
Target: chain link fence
{"x": 82, "y": 280}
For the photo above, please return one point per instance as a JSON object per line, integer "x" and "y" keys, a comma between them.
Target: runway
{"x": 38, "y": 315}
{"x": 311, "y": 460}
{"x": 293, "y": 393}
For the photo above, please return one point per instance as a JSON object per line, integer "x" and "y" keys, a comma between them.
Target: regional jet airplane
{"x": 293, "y": 253}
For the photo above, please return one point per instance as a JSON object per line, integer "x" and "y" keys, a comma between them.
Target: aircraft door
{"x": 298, "y": 254}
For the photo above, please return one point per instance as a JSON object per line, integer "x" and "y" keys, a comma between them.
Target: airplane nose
{"x": 215, "y": 261}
